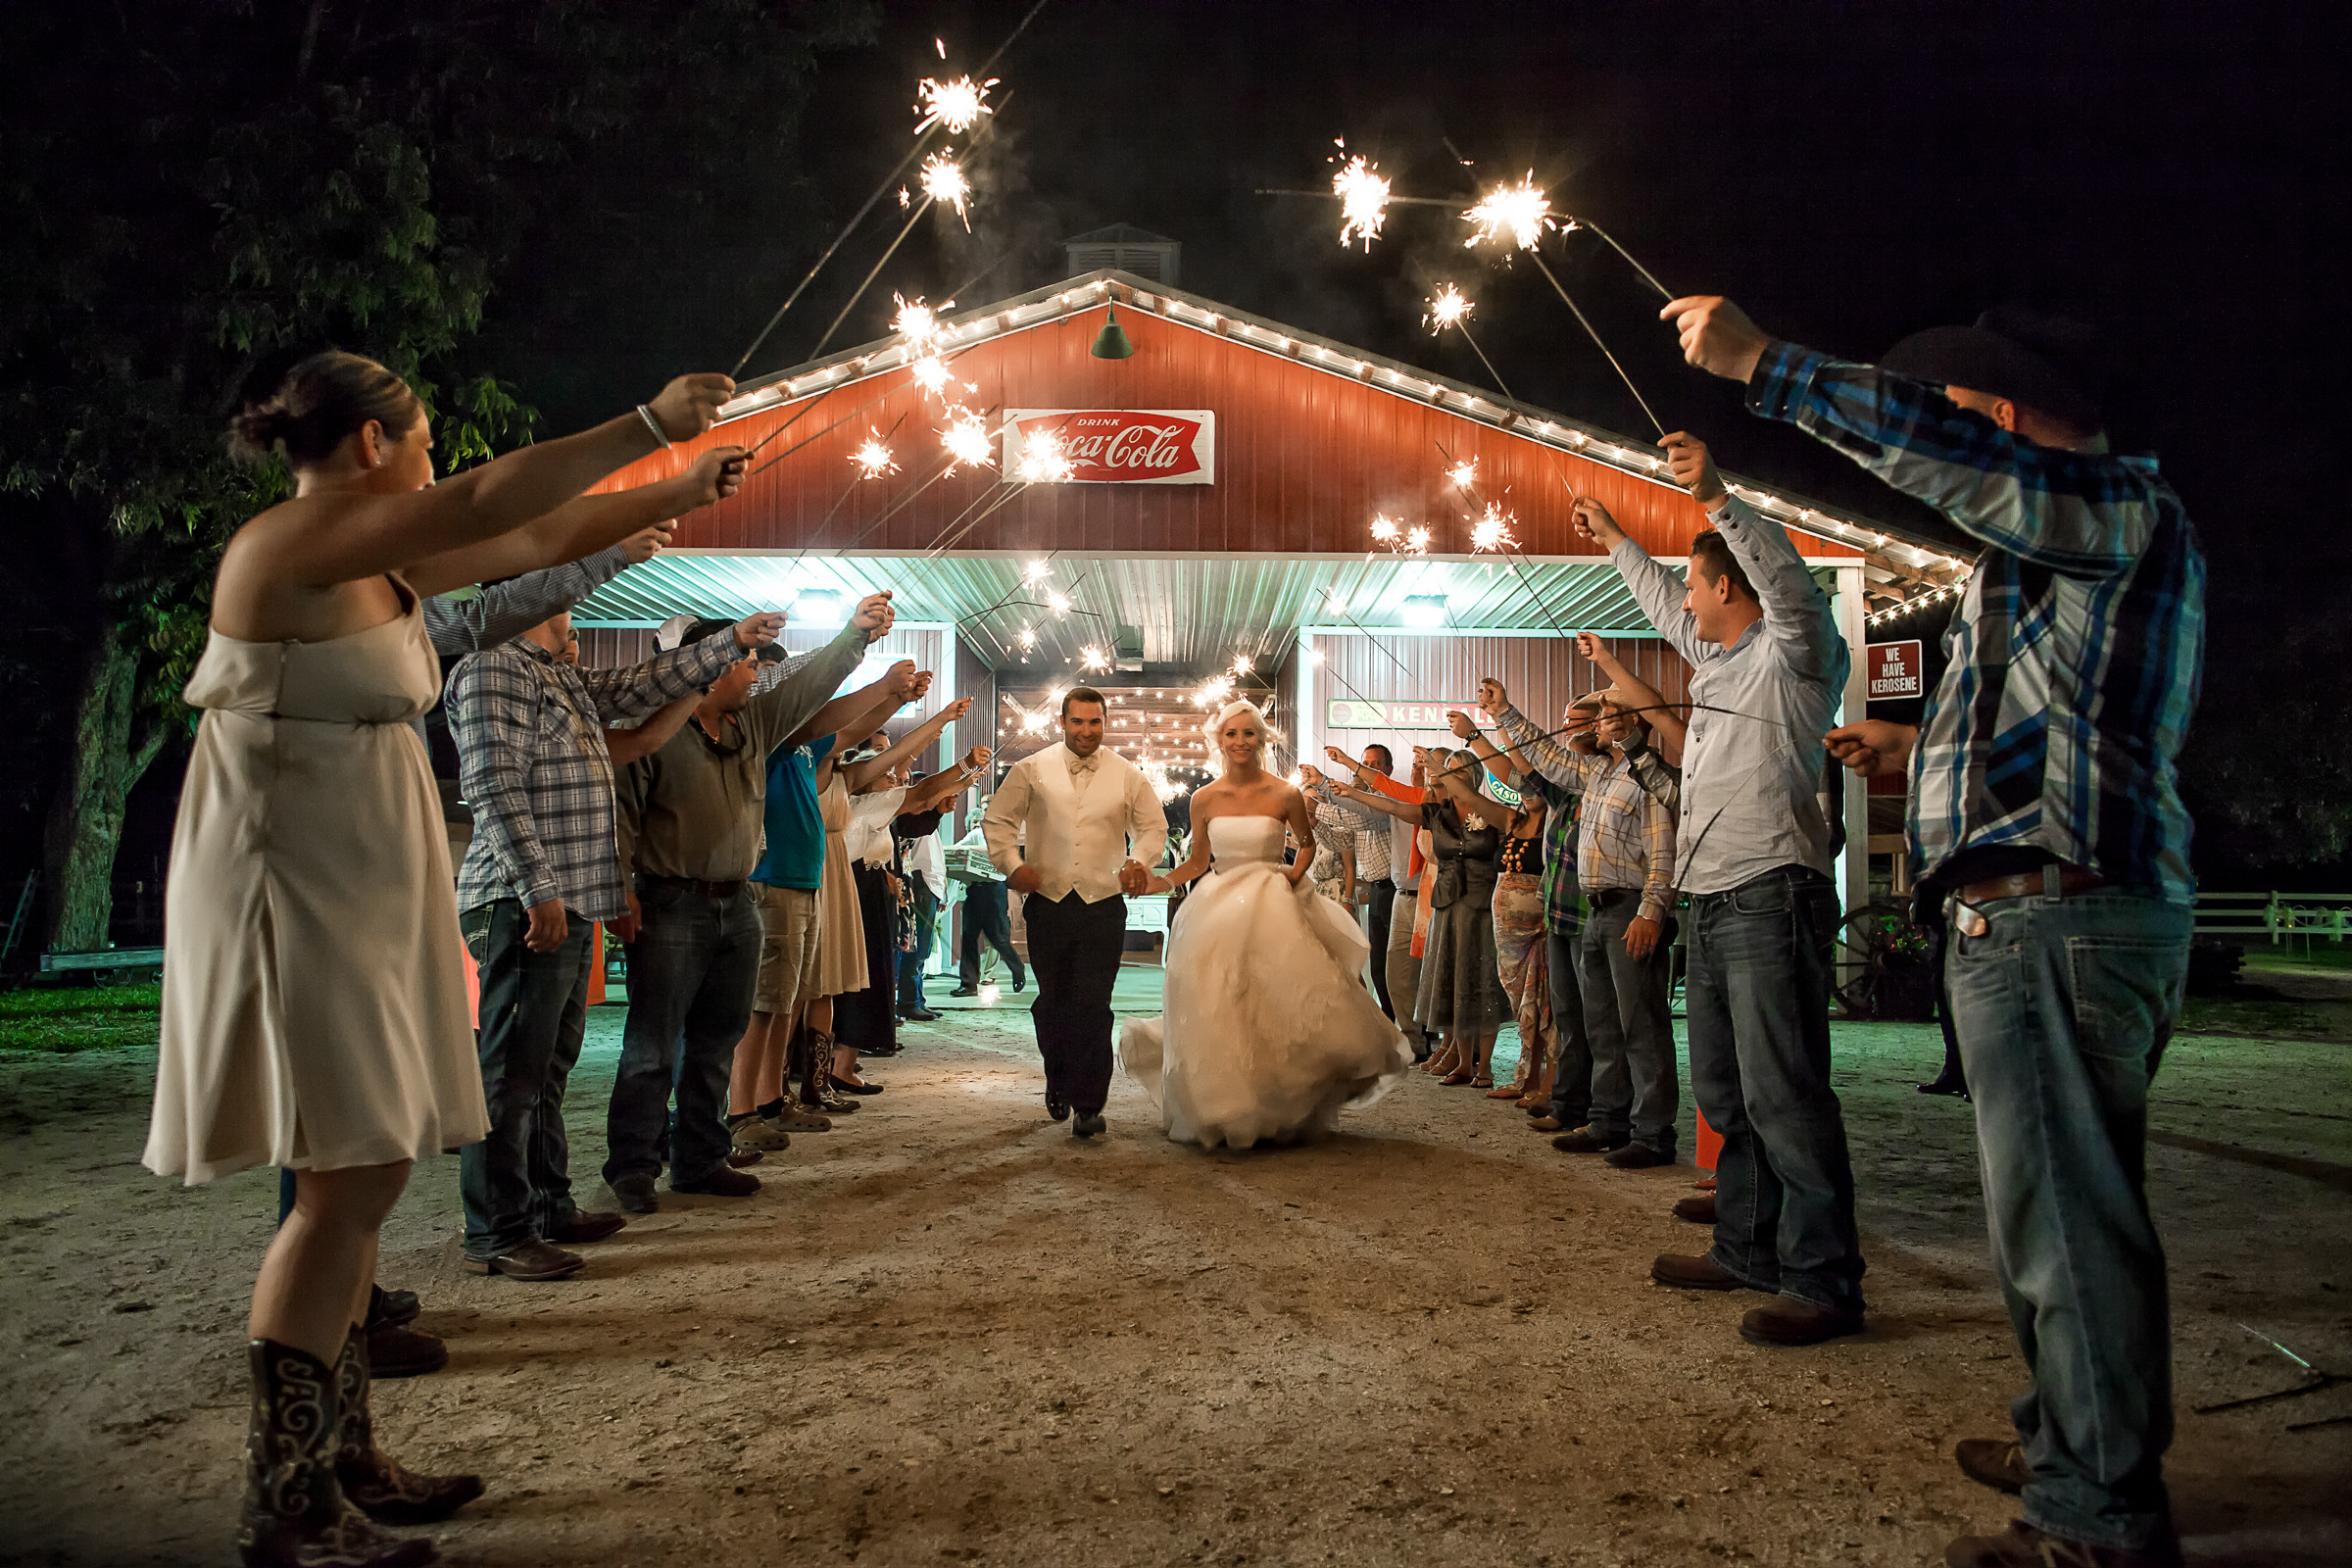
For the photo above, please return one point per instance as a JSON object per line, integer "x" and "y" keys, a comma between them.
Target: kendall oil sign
{"x": 1124, "y": 445}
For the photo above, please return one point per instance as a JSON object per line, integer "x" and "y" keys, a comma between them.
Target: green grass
{"x": 60, "y": 1020}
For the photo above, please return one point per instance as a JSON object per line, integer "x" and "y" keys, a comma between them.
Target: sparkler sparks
{"x": 1519, "y": 214}
{"x": 1025, "y": 639}
{"x": 1446, "y": 308}
{"x": 1493, "y": 530}
{"x": 1416, "y": 543}
{"x": 1464, "y": 474}
{"x": 931, "y": 373}
{"x": 957, "y": 105}
{"x": 1093, "y": 658}
{"x": 1242, "y": 664}
{"x": 919, "y": 324}
{"x": 942, "y": 181}
{"x": 1058, "y": 604}
{"x": 1038, "y": 572}
{"x": 1363, "y": 201}
{"x": 1384, "y": 529}
{"x": 874, "y": 459}
{"x": 1041, "y": 459}
{"x": 967, "y": 440}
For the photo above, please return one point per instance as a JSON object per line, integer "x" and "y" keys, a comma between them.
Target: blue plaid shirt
{"x": 2080, "y": 643}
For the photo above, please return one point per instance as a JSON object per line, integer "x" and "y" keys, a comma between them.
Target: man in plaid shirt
{"x": 541, "y": 872}
{"x": 2045, "y": 812}
{"x": 1623, "y": 841}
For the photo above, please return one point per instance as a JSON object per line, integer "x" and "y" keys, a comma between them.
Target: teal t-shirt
{"x": 795, "y": 856}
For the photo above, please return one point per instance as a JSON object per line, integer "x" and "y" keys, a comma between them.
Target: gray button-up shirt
{"x": 1751, "y": 776}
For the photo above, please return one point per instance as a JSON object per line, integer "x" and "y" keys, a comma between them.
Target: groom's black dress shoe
{"x": 964, "y": 991}
{"x": 1089, "y": 1124}
{"x": 1056, "y": 1107}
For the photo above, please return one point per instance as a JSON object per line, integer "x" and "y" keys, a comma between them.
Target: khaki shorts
{"x": 788, "y": 920}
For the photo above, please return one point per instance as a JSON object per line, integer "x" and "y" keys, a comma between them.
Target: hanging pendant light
{"x": 1112, "y": 342}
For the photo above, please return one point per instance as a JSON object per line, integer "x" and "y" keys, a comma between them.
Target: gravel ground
{"x": 947, "y": 1331}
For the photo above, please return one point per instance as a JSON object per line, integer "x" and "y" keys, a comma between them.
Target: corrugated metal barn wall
{"x": 976, "y": 680}
{"x": 611, "y": 648}
{"x": 1542, "y": 673}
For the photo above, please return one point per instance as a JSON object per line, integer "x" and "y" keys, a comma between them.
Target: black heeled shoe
{"x": 848, "y": 1088}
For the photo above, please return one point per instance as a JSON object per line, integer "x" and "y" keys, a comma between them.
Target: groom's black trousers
{"x": 1074, "y": 950}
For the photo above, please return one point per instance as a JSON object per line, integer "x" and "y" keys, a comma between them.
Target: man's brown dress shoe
{"x": 1701, "y": 1273}
{"x": 1995, "y": 1463}
{"x": 532, "y": 1261}
{"x": 2023, "y": 1547}
{"x": 1699, "y": 1210}
{"x": 1787, "y": 1321}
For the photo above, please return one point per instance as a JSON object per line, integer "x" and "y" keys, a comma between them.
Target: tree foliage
{"x": 193, "y": 195}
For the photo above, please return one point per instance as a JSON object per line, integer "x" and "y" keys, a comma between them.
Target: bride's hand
{"x": 1293, "y": 872}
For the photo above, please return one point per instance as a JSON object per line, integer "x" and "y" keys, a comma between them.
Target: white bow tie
{"x": 1084, "y": 764}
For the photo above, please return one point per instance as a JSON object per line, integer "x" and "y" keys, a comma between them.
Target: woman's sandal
{"x": 1507, "y": 1092}
{"x": 1481, "y": 1081}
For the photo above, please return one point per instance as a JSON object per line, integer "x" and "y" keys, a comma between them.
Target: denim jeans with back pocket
{"x": 2063, "y": 1007}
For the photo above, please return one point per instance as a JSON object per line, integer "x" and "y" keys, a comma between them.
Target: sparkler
{"x": 1384, "y": 529}
{"x": 1518, "y": 212}
{"x": 1041, "y": 459}
{"x": 1492, "y": 531}
{"x": 957, "y": 105}
{"x": 1446, "y": 308}
{"x": 1464, "y": 474}
{"x": 1092, "y": 658}
{"x": 874, "y": 459}
{"x": 967, "y": 440}
{"x": 1416, "y": 542}
{"x": 942, "y": 181}
{"x": 919, "y": 324}
{"x": 1591, "y": 332}
{"x": 1058, "y": 604}
{"x": 1363, "y": 201}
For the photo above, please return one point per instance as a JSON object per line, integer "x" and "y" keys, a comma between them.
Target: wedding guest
{"x": 539, "y": 875}
{"x": 314, "y": 1013}
{"x": 1459, "y": 993}
{"x": 987, "y": 915}
{"x": 865, "y": 1020}
{"x": 690, "y": 816}
{"x": 1756, "y": 858}
{"x": 924, "y": 860}
{"x": 1521, "y": 951}
{"x": 1400, "y": 973}
{"x": 787, "y": 888}
{"x": 1625, "y": 864}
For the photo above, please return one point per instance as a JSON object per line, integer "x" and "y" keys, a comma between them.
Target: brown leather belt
{"x": 2029, "y": 885}
{"x": 708, "y": 890}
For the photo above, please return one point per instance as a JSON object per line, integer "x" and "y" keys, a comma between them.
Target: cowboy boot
{"x": 372, "y": 1479}
{"x": 295, "y": 1514}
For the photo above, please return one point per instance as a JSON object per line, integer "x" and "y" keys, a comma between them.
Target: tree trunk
{"x": 85, "y": 815}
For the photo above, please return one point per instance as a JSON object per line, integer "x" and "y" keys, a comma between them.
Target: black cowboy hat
{"x": 2024, "y": 356}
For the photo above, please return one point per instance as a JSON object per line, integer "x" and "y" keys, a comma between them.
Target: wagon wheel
{"x": 1888, "y": 955}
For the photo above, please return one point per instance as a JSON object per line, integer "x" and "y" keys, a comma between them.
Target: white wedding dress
{"x": 1267, "y": 1032}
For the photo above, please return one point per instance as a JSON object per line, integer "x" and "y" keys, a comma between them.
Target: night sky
{"x": 1850, "y": 172}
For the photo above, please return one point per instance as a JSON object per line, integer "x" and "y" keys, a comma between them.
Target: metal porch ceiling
{"x": 1192, "y": 613}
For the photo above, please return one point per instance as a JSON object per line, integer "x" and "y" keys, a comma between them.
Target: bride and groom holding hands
{"x": 1267, "y": 1031}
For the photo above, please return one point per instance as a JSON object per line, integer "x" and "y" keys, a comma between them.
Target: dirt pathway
{"x": 948, "y": 1332}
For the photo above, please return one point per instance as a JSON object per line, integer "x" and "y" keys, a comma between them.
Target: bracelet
{"x": 651, "y": 423}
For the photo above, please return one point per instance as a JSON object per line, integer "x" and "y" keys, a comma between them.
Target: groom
{"x": 1092, "y": 827}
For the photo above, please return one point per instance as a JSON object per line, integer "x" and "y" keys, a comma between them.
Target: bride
{"x": 1268, "y": 1032}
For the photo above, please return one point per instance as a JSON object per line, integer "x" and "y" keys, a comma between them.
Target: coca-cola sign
{"x": 1123, "y": 446}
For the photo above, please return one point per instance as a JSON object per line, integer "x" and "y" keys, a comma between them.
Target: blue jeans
{"x": 912, "y": 964}
{"x": 2064, "y": 1007}
{"x": 1572, "y": 1077}
{"x": 1629, "y": 1017}
{"x": 1758, "y": 998}
{"x": 516, "y": 1182}
{"x": 691, "y": 973}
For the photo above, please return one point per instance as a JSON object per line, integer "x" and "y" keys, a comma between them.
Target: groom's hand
{"x": 1024, "y": 879}
{"x": 1133, "y": 878}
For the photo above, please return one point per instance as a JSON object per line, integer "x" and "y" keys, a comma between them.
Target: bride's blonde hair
{"x": 1214, "y": 729}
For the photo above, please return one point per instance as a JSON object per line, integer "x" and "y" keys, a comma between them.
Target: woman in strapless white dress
{"x": 1268, "y": 1032}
